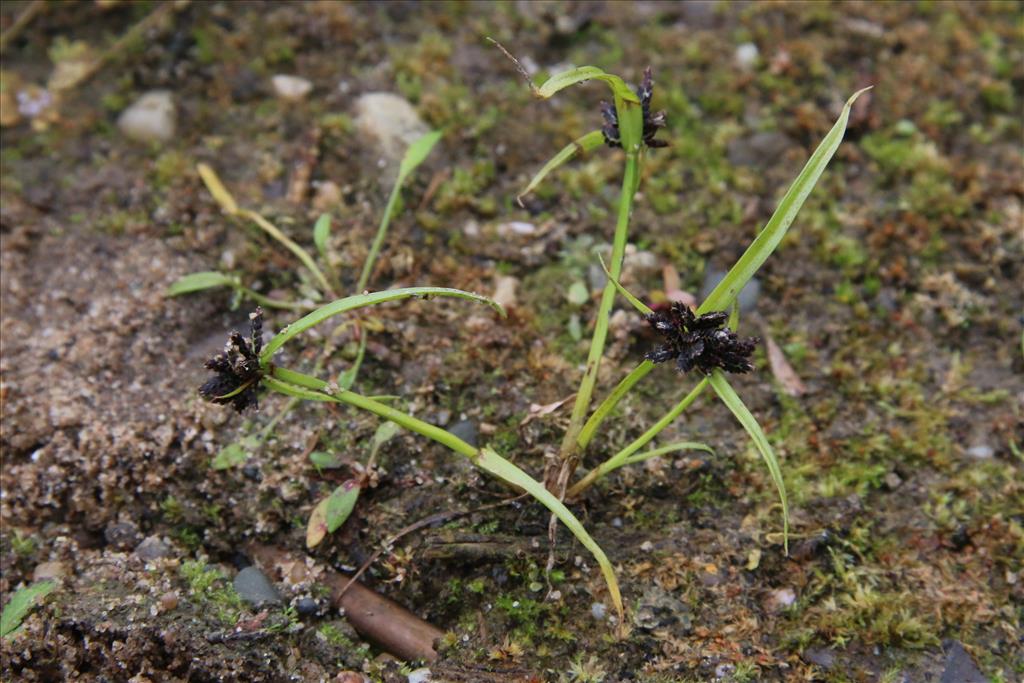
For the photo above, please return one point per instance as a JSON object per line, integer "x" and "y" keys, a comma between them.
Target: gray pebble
{"x": 255, "y": 588}
{"x": 467, "y": 431}
{"x": 152, "y": 548}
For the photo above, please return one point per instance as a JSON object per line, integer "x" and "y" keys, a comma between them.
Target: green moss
{"x": 211, "y": 588}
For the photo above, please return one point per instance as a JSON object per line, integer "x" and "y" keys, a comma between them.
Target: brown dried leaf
{"x": 782, "y": 370}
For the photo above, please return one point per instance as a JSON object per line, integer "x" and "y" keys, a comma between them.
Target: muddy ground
{"x": 896, "y": 299}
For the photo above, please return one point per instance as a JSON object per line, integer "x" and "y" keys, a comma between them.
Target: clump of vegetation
{"x": 704, "y": 339}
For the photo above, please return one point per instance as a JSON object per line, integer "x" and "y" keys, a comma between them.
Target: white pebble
{"x": 151, "y": 118}
{"x": 746, "y": 55}
{"x": 292, "y": 88}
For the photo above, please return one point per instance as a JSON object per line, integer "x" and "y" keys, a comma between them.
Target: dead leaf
{"x": 538, "y": 410}
{"x": 782, "y": 370}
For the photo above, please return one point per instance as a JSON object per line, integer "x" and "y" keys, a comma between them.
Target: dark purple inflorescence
{"x": 701, "y": 342}
{"x": 238, "y": 368}
{"x": 652, "y": 122}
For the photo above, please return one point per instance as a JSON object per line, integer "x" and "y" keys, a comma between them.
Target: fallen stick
{"x": 379, "y": 619}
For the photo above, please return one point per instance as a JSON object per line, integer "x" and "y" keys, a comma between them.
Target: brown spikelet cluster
{"x": 652, "y": 122}
{"x": 701, "y": 342}
{"x": 238, "y": 368}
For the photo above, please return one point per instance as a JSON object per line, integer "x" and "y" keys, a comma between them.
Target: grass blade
{"x": 196, "y": 282}
{"x": 768, "y": 239}
{"x": 729, "y": 397}
{"x": 321, "y": 231}
{"x": 670, "y": 448}
{"x": 220, "y": 193}
{"x": 581, "y": 145}
{"x": 360, "y": 301}
{"x": 640, "y": 306}
{"x": 417, "y": 153}
{"x": 490, "y": 461}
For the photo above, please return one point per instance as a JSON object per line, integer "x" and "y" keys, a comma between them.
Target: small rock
{"x": 50, "y": 570}
{"x": 960, "y": 666}
{"x": 746, "y": 56}
{"x": 168, "y": 601}
{"x": 505, "y": 290}
{"x": 420, "y": 676}
{"x": 390, "y": 120}
{"x": 443, "y": 417}
{"x": 152, "y": 548}
{"x": 255, "y": 588}
{"x": 658, "y": 609}
{"x": 307, "y": 607}
{"x": 981, "y": 451}
{"x": 780, "y": 599}
{"x": 291, "y": 88}
{"x": 467, "y": 431}
{"x": 646, "y": 547}
{"x": 748, "y": 295}
{"x": 326, "y": 195}
{"x": 821, "y": 656}
{"x": 515, "y": 229}
{"x": 892, "y": 481}
{"x": 598, "y": 611}
{"x": 151, "y": 118}
{"x": 122, "y": 536}
{"x": 350, "y": 677}
{"x": 759, "y": 149}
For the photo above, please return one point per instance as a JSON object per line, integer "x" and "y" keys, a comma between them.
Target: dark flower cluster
{"x": 652, "y": 122}
{"x": 699, "y": 341}
{"x": 238, "y": 368}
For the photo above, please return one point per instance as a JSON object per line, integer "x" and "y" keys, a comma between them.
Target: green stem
{"x": 621, "y": 458}
{"x": 299, "y": 252}
{"x": 630, "y": 180}
{"x": 274, "y": 303}
{"x": 378, "y": 241}
{"x": 302, "y": 386}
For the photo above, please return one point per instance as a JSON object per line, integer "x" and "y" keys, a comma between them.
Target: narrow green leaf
{"x": 21, "y": 604}
{"x": 640, "y": 306}
{"x": 670, "y": 448}
{"x": 340, "y": 504}
{"x": 196, "y": 282}
{"x": 321, "y": 231}
{"x": 385, "y": 432}
{"x": 581, "y": 74}
{"x": 729, "y": 397}
{"x": 359, "y": 301}
{"x": 581, "y": 145}
{"x": 417, "y": 153}
{"x": 489, "y": 461}
{"x": 768, "y": 239}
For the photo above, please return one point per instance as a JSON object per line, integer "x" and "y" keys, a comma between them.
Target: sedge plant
{"x": 631, "y": 125}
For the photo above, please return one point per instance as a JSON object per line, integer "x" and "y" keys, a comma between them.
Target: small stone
{"x": 50, "y": 570}
{"x": 420, "y": 676}
{"x": 598, "y": 611}
{"x": 168, "y": 601}
{"x": 326, "y": 195}
{"x": 255, "y": 588}
{"x": 780, "y": 599}
{"x": 515, "y": 229}
{"x": 152, "y": 548}
{"x": 467, "y": 431}
{"x": 291, "y": 88}
{"x": 746, "y": 56}
{"x": 646, "y": 546}
{"x": 122, "y": 536}
{"x": 960, "y": 666}
{"x": 307, "y": 607}
{"x": 981, "y": 451}
{"x": 390, "y": 120}
{"x": 660, "y": 609}
{"x": 892, "y": 481}
{"x": 151, "y": 118}
{"x": 821, "y": 656}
